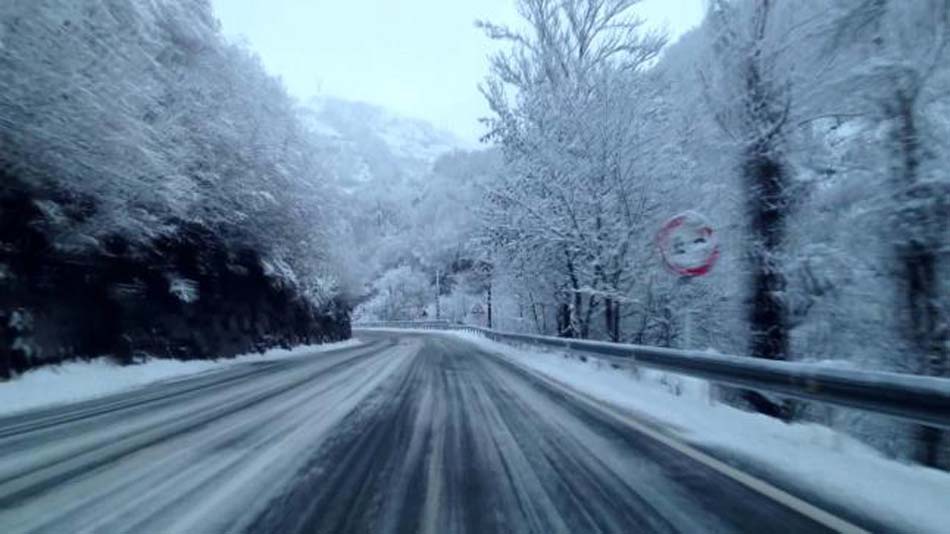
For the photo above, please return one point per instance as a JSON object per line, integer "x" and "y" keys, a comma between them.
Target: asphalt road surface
{"x": 407, "y": 433}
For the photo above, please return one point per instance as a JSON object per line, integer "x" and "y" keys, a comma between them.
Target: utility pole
{"x": 688, "y": 328}
{"x": 687, "y": 314}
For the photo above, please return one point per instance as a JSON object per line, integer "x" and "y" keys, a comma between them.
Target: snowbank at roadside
{"x": 78, "y": 381}
{"x": 833, "y": 466}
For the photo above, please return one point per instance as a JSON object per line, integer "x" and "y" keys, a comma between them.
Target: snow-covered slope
{"x": 382, "y": 163}
{"x": 365, "y": 144}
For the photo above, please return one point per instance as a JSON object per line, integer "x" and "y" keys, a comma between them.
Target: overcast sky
{"x": 419, "y": 58}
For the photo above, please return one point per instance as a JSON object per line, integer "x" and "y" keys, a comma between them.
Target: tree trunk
{"x": 565, "y": 326}
{"x": 612, "y": 319}
{"x": 764, "y": 111}
{"x": 615, "y": 334}
{"x": 489, "y": 305}
{"x": 765, "y": 189}
{"x": 438, "y": 295}
{"x": 918, "y": 257}
{"x": 576, "y": 321}
{"x": 588, "y": 316}
{"x": 767, "y": 314}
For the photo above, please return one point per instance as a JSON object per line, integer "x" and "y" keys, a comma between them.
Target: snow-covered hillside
{"x": 369, "y": 145}
{"x": 389, "y": 169}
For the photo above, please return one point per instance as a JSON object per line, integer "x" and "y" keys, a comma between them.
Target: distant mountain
{"x": 367, "y": 144}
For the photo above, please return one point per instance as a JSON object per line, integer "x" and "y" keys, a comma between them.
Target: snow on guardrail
{"x": 921, "y": 399}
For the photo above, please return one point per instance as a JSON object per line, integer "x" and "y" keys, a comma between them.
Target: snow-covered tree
{"x": 570, "y": 119}
{"x": 895, "y": 71}
{"x": 134, "y": 135}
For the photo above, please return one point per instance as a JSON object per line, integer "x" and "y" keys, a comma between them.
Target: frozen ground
{"x": 77, "y": 381}
{"x": 830, "y": 464}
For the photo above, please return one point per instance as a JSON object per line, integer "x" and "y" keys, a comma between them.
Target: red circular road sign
{"x": 688, "y": 244}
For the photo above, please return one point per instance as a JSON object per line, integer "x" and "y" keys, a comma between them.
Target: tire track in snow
{"x": 201, "y": 462}
{"x": 408, "y": 434}
{"x": 460, "y": 441}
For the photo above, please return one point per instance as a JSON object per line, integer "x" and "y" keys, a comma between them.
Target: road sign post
{"x": 689, "y": 248}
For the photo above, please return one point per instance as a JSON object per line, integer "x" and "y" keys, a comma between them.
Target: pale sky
{"x": 419, "y": 58}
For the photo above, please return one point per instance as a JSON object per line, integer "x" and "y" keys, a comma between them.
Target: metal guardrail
{"x": 424, "y": 325}
{"x": 920, "y": 399}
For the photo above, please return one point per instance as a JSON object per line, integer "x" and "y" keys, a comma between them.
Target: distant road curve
{"x": 408, "y": 433}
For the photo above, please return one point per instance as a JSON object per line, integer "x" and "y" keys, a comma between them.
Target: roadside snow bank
{"x": 78, "y": 381}
{"x": 833, "y": 466}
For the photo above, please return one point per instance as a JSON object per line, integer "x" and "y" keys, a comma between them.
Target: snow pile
{"x": 832, "y": 465}
{"x": 78, "y": 381}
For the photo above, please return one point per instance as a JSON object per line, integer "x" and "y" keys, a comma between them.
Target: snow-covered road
{"x": 408, "y": 433}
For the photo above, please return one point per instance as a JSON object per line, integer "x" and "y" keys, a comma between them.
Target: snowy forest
{"x": 163, "y": 195}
